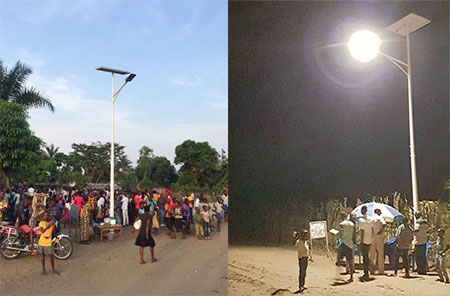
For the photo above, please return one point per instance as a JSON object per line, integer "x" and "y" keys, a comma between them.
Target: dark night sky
{"x": 305, "y": 118}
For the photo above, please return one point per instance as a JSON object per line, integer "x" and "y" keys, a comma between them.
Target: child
{"x": 155, "y": 223}
{"x": 187, "y": 216}
{"x": 440, "y": 256}
{"x": 304, "y": 252}
{"x": 206, "y": 219}
{"x": 198, "y": 220}
{"x": 219, "y": 208}
{"x": 45, "y": 242}
{"x": 66, "y": 214}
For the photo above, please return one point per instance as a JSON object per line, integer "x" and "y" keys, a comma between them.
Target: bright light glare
{"x": 364, "y": 45}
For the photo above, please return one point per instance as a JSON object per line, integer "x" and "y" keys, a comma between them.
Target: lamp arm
{"x": 396, "y": 62}
{"x": 118, "y": 91}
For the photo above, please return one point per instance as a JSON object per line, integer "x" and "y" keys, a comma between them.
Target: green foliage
{"x": 41, "y": 169}
{"x": 13, "y": 89}
{"x": 94, "y": 160}
{"x": 202, "y": 169}
{"x": 145, "y": 183}
{"x": 154, "y": 171}
{"x": 18, "y": 145}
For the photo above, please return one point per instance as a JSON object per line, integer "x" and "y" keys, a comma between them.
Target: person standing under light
{"x": 420, "y": 245}
{"x": 366, "y": 236}
{"x": 377, "y": 245}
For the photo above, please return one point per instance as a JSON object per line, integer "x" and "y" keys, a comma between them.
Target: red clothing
{"x": 137, "y": 201}
{"x": 78, "y": 201}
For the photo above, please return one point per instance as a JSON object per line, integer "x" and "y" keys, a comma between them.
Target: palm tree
{"x": 51, "y": 150}
{"x": 13, "y": 89}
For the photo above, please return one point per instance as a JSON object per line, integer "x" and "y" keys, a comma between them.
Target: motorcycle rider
{"x": 23, "y": 218}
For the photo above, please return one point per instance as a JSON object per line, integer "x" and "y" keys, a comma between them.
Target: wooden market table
{"x": 102, "y": 229}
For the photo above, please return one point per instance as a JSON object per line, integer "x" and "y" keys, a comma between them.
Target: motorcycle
{"x": 15, "y": 240}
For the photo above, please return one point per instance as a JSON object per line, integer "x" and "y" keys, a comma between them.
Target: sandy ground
{"x": 184, "y": 267}
{"x": 263, "y": 271}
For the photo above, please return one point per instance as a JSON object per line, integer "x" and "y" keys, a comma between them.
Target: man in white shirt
{"x": 420, "y": 243}
{"x": 225, "y": 205}
{"x": 101, "y": 203}
{"x": 125, "y": 220}
{"x": 377, "y": 245}
{"x": 366, "y": 227}
{"x": 304, "y": 253}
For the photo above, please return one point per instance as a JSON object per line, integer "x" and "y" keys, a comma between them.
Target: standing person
{"x": 187, "y": 216}
{"x": 4, "y": 206}
{"x": 178, "y": 213}
{"x": 403, "y": 237}
{"x": 225, "y": 205}
{"x": 8, "y": 200}
{"x": 198, "y": 220}
{"x": 161, "y": 203}
{"x": 144, "y": 238}
{"x": 420, "y": 245}
{"x": 440, "y": 256}
{"x": 218, "y": 209}
{"x": 366, "y": 236}
{"x": 101, "y": 207}
{"x": 347, "y": 234}
{"x": 168, "y": 218}
{"x": 304, "y": 253}
{"x": 84, "y": 222}
{"x": 131, "y": 207}
{"x": 137, "y": 204}
{"x": 45, "y": 242}
{"x": 206, "y": 218}
{"x": 377, "y": 245}
{"x": 124, "y": 207}
{"x": 78, "y": 200}
{"x": 190, "y": 199}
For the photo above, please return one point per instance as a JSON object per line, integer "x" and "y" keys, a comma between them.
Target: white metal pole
{"x": 411, "y": 132}
{"x": 111, "y": 189}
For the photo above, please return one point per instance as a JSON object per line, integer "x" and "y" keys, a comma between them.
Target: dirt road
{"x": 263, "y": 271}
{"x": 184, "y": 267}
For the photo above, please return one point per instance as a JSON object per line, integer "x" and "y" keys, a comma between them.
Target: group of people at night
{"x": 372, "y": 243}
{"x": 85, "y": 209}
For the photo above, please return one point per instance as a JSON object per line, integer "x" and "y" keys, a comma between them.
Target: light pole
{"x": 113, "y": 99}
{"x": 364, "y": 46}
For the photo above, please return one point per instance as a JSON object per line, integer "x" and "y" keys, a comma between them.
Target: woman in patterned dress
{"x": 84, "y": 221}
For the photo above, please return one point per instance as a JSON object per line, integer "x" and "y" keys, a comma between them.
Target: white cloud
{"x": 79, "y": 119}
{"x": 178, "y": 81}
{"x": 31, "y": 59}
{"x": 183, "y": 81}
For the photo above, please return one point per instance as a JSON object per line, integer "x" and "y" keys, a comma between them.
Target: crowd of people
{"x": 85, "y": 209}
{"x": 410, "y": 243}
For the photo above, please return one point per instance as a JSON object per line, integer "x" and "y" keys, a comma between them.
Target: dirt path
{"x": 263, "y": 271}
{"x": 184, "y": 267}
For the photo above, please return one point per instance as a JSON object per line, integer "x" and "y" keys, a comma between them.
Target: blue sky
{"x": 178, "y": 49}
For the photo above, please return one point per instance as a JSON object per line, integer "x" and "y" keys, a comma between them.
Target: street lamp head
{"x": 111, "y": 70}
{"x": 364, "y": 45}
{"x": 130, "y": 77}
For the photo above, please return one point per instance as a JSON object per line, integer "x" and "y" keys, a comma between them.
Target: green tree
{"x": 154, "y": 171}
{"x": 199, "y": 162}
{"x": 18, "y": 145}
{"x": 51, "y": 150}
{"x": 94, "y": 161}
{"x": 41, "y": 169}
{"x": 13, "y": 89}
